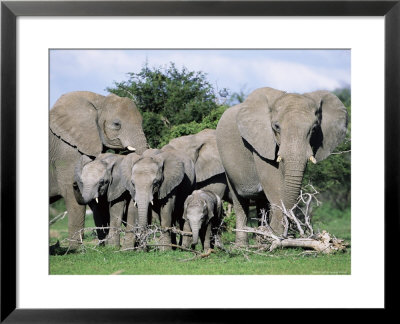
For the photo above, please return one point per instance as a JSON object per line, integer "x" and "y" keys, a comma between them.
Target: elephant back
{"x": 203, "y": 151}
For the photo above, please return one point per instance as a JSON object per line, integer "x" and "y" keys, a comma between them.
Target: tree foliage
{"x": 167, "y": 97}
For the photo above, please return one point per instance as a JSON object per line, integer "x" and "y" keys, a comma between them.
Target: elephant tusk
{"x": 151, "y": 202}
{"x": 135, "y": 204}
{"x": 130, "y": 148}
{"x": 313, "y": 160}
{"x": 279, "y": 159}
{"x": 97, "y": 200}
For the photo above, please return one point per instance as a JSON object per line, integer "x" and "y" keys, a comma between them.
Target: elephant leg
{"x": 116, "y": 214}
{"x": 131, "y": 221}
{"x": 241, "y": 208}
{"x": 272, "y": 182}
{"x": 207, "y": 238}
{"x": 186, "y": 240}
{"x": 76, "y": 219}
{"x": 166, "y": 221}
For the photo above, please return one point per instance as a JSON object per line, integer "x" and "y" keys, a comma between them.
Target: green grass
{"x": 105, "y": 260}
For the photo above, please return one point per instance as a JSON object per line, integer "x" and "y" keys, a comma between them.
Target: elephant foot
{"x": 164, "y": 242}
{"x": 276, "y": 225}
{"x": 128, "y": 241}
{"x": 113, "y": 240}
{"x": 75, "y": 242}
{"x": 241, "y": 239}
{"x": 186, "y": 242}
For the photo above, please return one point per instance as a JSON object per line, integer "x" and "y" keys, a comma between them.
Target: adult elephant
{"x": 86, "y": 123}
{"x": 266, "y": 141}
{"x": 202, "y": 150}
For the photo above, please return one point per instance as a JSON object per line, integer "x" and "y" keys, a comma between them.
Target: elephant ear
{"x": 188, "y": 166}
{"x": 208, "y": 163}
{"x": 333, "y": 124}
{"x": 187, "y": 201}
{"x": 173, "y": 171}
{"x": 121, "y": 177}
{"x": 254, "y": 121}
{"x": 73, "y": 118}
{"x": 83, "y": 160}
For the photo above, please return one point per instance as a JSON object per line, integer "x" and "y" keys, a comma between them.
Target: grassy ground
{"x": 106, "y": 260}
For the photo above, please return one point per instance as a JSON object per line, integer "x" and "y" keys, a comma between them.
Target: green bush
{"x": 168, "y": 97}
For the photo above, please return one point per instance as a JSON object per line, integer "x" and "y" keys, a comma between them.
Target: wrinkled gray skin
{"x": 161, "y": 180}
{"x": 202, "y": 150}
{"x": 202, "y": 215}
{"x": 102, "y": 178}
{"x": 271, "y": 124}
{"x": 85, "y": 123}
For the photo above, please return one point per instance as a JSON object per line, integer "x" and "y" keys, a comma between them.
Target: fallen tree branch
{"x": 177, "y": 231}
{"x": 323, "y": 243}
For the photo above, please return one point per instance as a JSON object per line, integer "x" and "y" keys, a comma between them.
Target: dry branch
{"x": 57, "y": 218}
{"x": 323, "y": 243}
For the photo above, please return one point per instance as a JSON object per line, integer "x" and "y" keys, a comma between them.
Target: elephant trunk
{"x": 143, "y": 207}
{"x": 195, "y": 232}
{"x": 87, "y": 195}
{"x": 141, "y": 142}
{"x": 137, "y": 142}
{"x": 294, "y": 172}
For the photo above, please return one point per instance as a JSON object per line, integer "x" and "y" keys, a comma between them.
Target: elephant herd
{"x": 258, "y": 153}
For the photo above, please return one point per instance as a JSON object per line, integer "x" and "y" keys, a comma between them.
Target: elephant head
{"x": 154, "y": 176}
{"x": 292, "y": 129}
{"x": 199, "y": 210}
{"x": 93, "y": 177}
{"x": 89, "y": 121}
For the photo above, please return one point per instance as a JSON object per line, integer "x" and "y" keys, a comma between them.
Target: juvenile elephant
{"x": 203, "y": 151}
{"x": 85, "y": 123}
{"x": 161, "y": 180}
{"x": 202, "y": 215}
{"x": 266, "y": 141}
{"x": 103, "y": 178}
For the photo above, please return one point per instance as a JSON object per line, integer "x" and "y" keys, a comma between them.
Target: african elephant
{"x": 162, "y": 179}
{"x": 266, "y": 141}
{"x": 104, "y": 178}
{"x": 85, "y": 123}
{"x": 203, "y": 151}
{"x": 202, "y": 215}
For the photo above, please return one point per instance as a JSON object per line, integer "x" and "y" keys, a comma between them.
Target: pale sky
{"x": 288, "y": 70}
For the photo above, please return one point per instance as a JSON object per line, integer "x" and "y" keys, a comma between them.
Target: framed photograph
{"x": 174, "y": 69}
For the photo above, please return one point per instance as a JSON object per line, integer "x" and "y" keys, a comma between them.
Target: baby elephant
{"x": 202, "y": 215}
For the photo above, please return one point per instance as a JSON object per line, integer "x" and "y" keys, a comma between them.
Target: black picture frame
{"x": 11, "y": 10}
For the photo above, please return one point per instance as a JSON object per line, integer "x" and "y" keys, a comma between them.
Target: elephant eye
{"x": 276, "y": 127}
{"x": 116, "y": 124}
